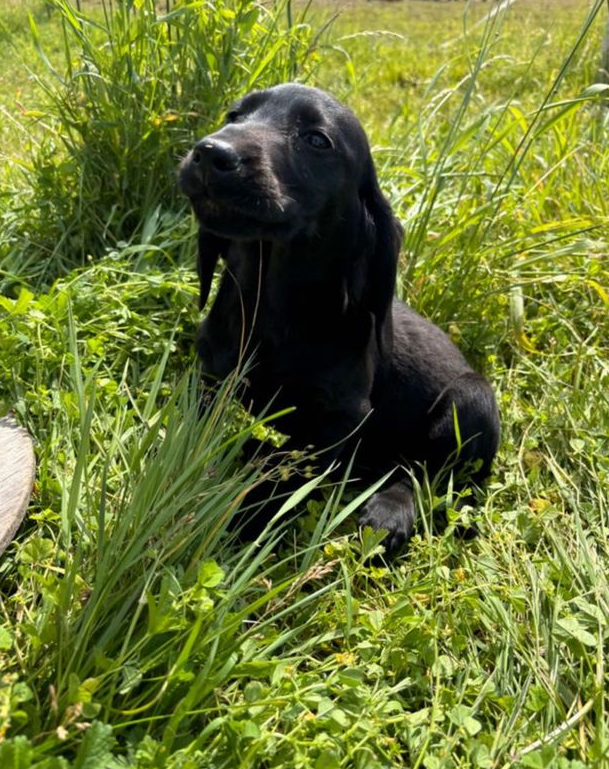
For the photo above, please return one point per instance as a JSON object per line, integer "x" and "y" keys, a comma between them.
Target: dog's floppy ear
{"x": 382, "y": 238}
{"x": 210, "y": 248}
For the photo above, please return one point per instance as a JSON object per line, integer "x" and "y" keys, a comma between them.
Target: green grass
{"x": 133, "y": 631}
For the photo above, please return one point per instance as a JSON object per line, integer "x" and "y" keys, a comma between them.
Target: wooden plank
{"x": 17, "y": 473}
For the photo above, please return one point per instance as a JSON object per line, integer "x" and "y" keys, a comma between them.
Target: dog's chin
{"x": 233, "y": 223}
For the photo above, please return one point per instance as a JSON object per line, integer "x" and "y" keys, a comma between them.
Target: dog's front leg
{"x": 284, "y": 470}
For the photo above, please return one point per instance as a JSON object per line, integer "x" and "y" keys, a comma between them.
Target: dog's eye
{"x": 317, "y": 139}
{"x": 233, "y": 116}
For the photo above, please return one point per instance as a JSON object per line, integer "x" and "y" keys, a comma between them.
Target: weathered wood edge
{"x": 17, "y": 473}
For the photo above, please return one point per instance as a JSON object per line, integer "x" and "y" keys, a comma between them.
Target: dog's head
{"x": 292, "y": 162}
{"x": 284, "y": 156}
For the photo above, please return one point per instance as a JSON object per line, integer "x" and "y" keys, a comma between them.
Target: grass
{"x": 133, "y": 631}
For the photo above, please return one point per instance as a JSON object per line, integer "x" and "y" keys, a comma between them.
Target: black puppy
{"x": 286, "y": 194}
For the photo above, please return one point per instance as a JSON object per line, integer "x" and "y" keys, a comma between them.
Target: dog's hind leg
{"x": 392, "y": 509}
{"x": 463, "y": 433}
{"x": 462, "y": 438}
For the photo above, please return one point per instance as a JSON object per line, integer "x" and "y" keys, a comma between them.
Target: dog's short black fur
{"x": 287, "y": 195}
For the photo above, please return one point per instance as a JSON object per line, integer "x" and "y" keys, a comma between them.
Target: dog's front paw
{"x": 392, "y": 509}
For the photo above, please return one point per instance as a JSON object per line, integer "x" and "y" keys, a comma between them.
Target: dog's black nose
{"x": 217, "y": 155}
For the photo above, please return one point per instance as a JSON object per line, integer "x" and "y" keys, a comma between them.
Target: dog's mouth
{"x": 247, "y": 219}
{"x": 241, "y": 208}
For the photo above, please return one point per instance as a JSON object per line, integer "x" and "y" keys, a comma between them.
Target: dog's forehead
{"x": 292, "y": 101}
